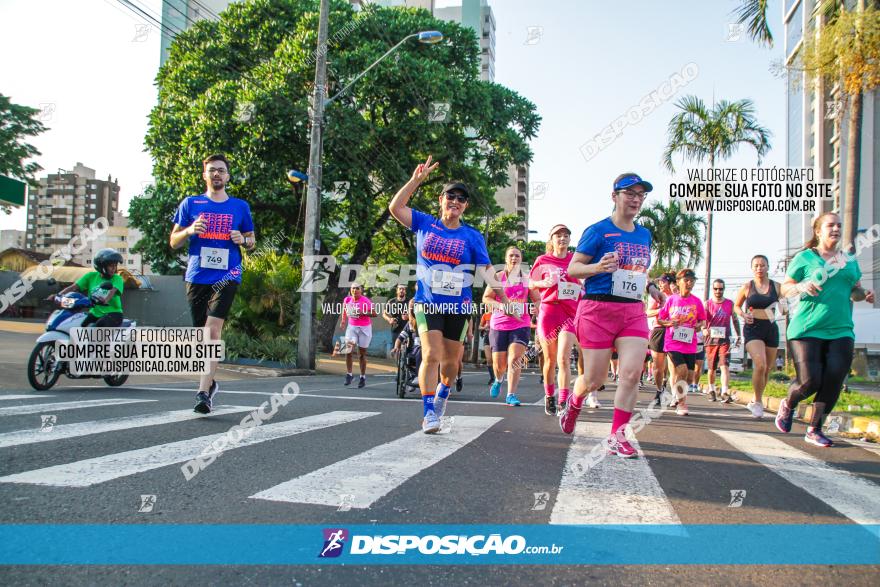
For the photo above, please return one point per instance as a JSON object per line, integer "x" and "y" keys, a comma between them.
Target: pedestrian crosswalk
{"x": 589, "y": 487}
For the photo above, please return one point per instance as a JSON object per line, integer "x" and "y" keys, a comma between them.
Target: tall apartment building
{"x": 122, "y": 237}
{"x": 816, "y": 136}
{"x": 178, "y": 15}
{"x": 64, "y": 204}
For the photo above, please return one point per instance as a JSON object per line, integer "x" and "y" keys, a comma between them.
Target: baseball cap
{"x": 625, "y": 180}
{"x": 667, "y": 277}
{"x": 457, "y": 186}
{"x": 559, "y": 227}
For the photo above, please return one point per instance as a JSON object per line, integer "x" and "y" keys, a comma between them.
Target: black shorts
{"x": 763, "y": 330}
{"x": 453, "y": 326}
{"x": 112, "y": 320}
{"x": 500, "y": 340}
{"x": 689, "y": 359}
{"x": 701, "y": 355}
{"x": 655, "y": 343}
{"x": 204, "y": 301}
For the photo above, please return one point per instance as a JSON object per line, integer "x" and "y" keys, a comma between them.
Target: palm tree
{"x": 700, "y": 134}
{"x": 753, "y": 14}
{"x": 676, "y": 236}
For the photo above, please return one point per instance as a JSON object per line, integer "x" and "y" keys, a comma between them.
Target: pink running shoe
{"x": 569, "y": 418}
{"x": 621, "y": 448}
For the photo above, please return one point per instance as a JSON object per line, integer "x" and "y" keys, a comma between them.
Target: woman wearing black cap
{"x": 447, "y": 254}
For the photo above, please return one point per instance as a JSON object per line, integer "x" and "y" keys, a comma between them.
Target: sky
{"x": 583, "y": 63}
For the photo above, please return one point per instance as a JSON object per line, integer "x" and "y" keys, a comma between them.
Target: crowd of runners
{"x": 596, "y": 303}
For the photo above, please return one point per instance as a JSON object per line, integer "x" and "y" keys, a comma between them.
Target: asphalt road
{"x": 337, "y": 457}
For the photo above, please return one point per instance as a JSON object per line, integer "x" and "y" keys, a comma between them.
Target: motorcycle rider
{"x": 107, "y": 312}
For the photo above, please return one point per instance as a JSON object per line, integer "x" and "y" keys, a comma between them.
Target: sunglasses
{"x": 718, "y": 289}
{"x": 452, "y": 196}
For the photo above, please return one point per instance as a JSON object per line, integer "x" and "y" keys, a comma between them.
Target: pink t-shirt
{"x": 719, "y": 315}
{"x": 517, "y": 293}
{"x": 544, "y": 266}
{"x": 690, "y": 312}
{"x": 362, "y": 305}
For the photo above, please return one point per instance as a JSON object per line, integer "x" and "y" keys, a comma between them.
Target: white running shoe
{"x": 756, "y": 409}
{"x": 681, "y": 409}
{"x": 593, "y": 401}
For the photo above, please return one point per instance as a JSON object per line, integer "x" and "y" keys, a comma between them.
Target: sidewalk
{"x": 23, "y": 326}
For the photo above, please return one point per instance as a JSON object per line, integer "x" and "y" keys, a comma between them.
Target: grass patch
{"x": 869, "y": 406}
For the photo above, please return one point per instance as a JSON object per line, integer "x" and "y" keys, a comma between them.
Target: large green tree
{"x": 242, "y": 86}
{"x": 676, "y": 237}
{"x": 700, "y": 134}
{"x": 16, "y": 123}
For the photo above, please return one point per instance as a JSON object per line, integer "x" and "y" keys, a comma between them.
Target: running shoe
{"x": 601, "y": 387}
{"x": 560, "y": 408}
{"x": 431, "y": 423}
{"x": 348, "y": 379}
{"x": 621, "y": 448}
{"x": 784, "y": 416}
{"x": 458, "y": 384}
{"x": 816, "y": 437}
{"x": 362, "y": 381}
{"x": 495, "y": 389}
{"x": 726, "y": 398}
{"x": 203, "y": 403}
{"x": 712, "y": 397}
{"x": 212, "y": 392}
{"x": 569, "y": 419}
{"x": 681, "y": 409}
{"x": 550, "y": 405}
{"x": 756, "y": 409}
{"x": 657, "y": 399}
{"x": 511, "y": 400}
{"x": 593, "y": 401}
{"x": 440, "y": 405}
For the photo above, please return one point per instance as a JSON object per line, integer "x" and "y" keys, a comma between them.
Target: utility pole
{"x": 305, "y": 355}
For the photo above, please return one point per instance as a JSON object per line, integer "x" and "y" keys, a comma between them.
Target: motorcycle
{"x": 43, "y": 368}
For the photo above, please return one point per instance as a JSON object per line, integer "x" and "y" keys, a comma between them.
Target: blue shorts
{"x": 500, "y": 340}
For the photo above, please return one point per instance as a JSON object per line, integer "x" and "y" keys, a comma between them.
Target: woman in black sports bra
{"x": 757, "y": 303}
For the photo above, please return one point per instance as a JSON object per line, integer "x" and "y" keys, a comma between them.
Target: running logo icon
{"x": 334, "y": 541}
{"x": 316, "y": 272}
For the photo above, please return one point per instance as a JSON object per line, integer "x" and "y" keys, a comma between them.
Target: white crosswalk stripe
{"x": 611, "y": 491}
{"x": 61, "y": 406}
{"x": 98, "y": 470}
{"x": 373, "y": 474}
{"x": 19, "y": 396}
{"x": 856, "y": 498}
{"x": 62, "y": 431}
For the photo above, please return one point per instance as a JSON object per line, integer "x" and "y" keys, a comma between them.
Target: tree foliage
{"x": 16, "y": 123}
{"x": 677, "y": 237}
{"x": 242, "y": 86}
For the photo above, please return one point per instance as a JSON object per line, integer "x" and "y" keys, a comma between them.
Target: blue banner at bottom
{"x": 148, "y": 544}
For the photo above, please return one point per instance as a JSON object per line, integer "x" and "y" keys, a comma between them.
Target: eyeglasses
{"x": 212, "y": 171}
{"x": 632, "y": 195}
{"x": 452, "y": 196}
{"x": 718, "y": 289}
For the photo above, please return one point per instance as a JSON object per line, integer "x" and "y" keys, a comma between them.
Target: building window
{"x": 93, "y": 206}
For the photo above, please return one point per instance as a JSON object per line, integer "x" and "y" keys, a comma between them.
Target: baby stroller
{"x": 408, "y": 360}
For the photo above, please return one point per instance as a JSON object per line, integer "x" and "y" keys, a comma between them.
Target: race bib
{"x": 683, "y": 334}
{"x": 568, "y": 290}
{"x": 717, "y": 332}
{"x": 213, "y": 258}
{"x": 447, "y": 283}
{"x": 628, "y": 284}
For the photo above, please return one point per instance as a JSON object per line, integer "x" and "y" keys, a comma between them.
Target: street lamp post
{"x": 311, "y": 239}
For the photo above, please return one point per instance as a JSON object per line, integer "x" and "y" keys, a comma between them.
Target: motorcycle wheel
{"x": 40, "y": 368}
{"x": 115, "y": 380}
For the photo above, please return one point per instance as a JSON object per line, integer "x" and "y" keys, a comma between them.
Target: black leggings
{"x": 821, "y": 367}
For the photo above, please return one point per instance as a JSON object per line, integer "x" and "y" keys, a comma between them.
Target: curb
{"x": 845, "y": 422}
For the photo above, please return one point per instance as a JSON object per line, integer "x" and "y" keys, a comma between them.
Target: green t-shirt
{"x": 829, "y": 314}
{"x": 91, "y": 283}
